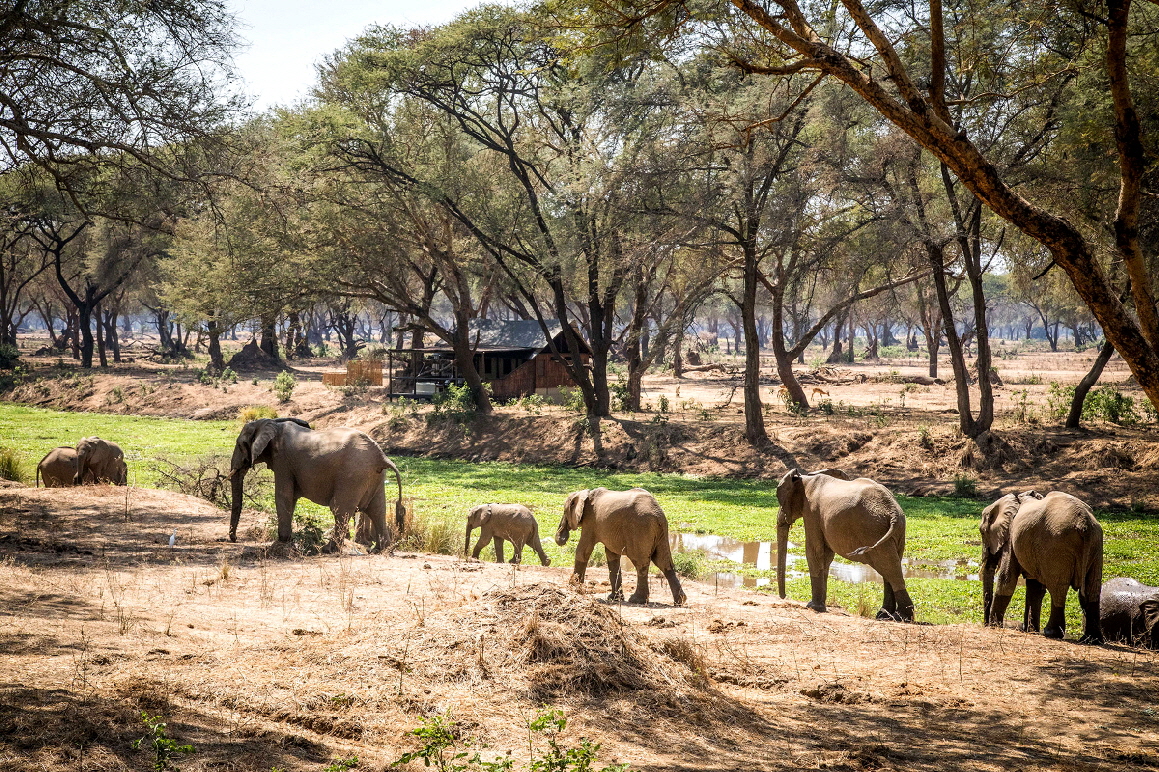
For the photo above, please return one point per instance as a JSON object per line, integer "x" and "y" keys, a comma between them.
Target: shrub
{"x": 573, "y": 400}
{"x": 228, "y": 376}
{"x": 11, "y": 467}
{"x": 9, "y": 355}
{"x": 254, "y": 412}
{"x": 621, "y": 395}
{"x": 1107, "y": 404}
{"x": 690, "y": 564}
{"x": 454, "y": 402}
{"x": 400, "y": 412}
{"x": 284, "y": 386}
{"x": 532, "y": 403}
{"x": 309, "y": 537}
{"x": 206, "y": 478}
{"x": 965, "y": 485}
{"x": 164, "y": 747}
{"x": 1058, "y": 399}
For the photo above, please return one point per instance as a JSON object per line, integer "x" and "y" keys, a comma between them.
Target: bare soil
{"x": 262, "y": 661}
{"x": 904, "y": 435}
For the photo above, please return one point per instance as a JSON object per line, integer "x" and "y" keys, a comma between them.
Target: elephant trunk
{"x": 467, "y": 543}
{"x": 782, "y": 548}
{"x": 563, "y": 532}
{"x": 988, "y": 563}
{"x": 236, "y": 479}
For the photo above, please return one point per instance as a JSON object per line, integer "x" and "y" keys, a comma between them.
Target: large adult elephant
{"x": 57, "y": 468}
{"x": 1129, "y": 611}
{"x": 343, "y": 469}
{"x": 100, "y": 461}
{"x": 1054, "y": 542}
{"x": 627, "y": 523}
{"x": 857, "y": 519}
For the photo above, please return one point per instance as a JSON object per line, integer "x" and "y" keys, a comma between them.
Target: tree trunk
{"x": 678, "y": 355}
{"x": 837, "y": 354}
{"x": 936, "y": 256}
{"x": 754, "y": 418}
{"x": 269, "y": 335}
{"x": 104, "y": 360}
{"x": 216, "y": 360}
{"x": 84, "y": 326}
{"x": 112, "y": 338}
{"x": 1074, "y": 416}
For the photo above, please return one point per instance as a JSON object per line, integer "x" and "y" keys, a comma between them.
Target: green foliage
{"x": 573, "y": 400}
{"x": 895, "y": 352}
{"x": 1023, "y": 407}
{"x": 965, "y": 485}
{"x": 443, "y": 748}
{"x": 621, "y": 394}
{"x": 9, "y": 356}
{"x": 662, "y": 405}
{"x": 284, "y": 386}
{"x": 322, "y": 350}
{"x": 164, "y": 747}
{"x": 342, "y": 765}
{"x": 228, "y": 376}
{"x": 690, "y": 563}
{"x": 11, "y": 468}
{"x": 309, "y": 535}
{"x": 532, "y": 403}
{"x": 254, "y": 412}
{"x": 400, "y": 412}
{"x": 1058, "y": 399}
{"x": 455, "y": 403}
{"x": 924, "y": 438}
{"x": 825, "y": 406}
{"x": 1109, "y": 405}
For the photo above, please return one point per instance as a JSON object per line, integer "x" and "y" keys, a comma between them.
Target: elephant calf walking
{"x": 627, "y": 523}
{"x": 513, "y": 522}
{"x": 1054, "y": 542}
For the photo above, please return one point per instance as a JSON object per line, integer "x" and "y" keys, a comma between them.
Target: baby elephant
{"x": 1129, "y": 611}
{"x": 513, "y": 522}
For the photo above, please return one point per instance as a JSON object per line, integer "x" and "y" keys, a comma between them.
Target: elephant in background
{"x": 627, "y": 523}
{"x": 513, "y": 522}
{"x": 857, "y": 519}
{"x": 100, "y": 461}
{"x": 1054, "y": 542}
{"x": 1129, "y": 611}
{"x": 343, "y": 469}
{"x": 58, "y": 468}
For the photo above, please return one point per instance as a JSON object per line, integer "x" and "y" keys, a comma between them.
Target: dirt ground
{"x": 262, "y": 661}
{"x": 903, "y": 435}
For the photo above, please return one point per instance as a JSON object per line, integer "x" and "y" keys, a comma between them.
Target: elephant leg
{"x": 1092, "y": 627}
{"x": 1032, "y": 617}
{"x": 678, "y": 596}
{"x": 1007, "y": 582}
{"x": 998, "y": 610}
{"x": 1056, "y": 625}
{"x": 484, "y": 540}
{"x": 285, "y": 501}
{"x": 896, "y": 603}
{"x": 517, "y": 548}
{"x": 341, "y": 530}
{"x": 614, "y": 576}
{"x": 641, "y": 593}
{"x": 583, "y": 553}
{"x": 819, "y": 562}
{"x": 498, "y": 550}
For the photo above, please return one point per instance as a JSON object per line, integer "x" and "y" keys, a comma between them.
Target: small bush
{"x": 9, "y": 355}
{"x": 621, "y": 395}
{"x": 689, "y": 564}
{"x": 163, "y": 746}
{"x": 284, "y": 386}
{"x": 254, "y": 412}
{"x": 400, "y": 412}
{"x": 309, "y": 536}
{"x": 532, "y": 403}
{"x": 206, "y": 477}
{"x": 1107, "y": 404}
{"x": 573, "y": 400}
{"x": 1058, "y": 399}
{"x": 455, "y": 403}
{"x": 11, "y": 468}
{"x": 965, "y": 486}
{"x": 228, "y": 376}
{"x": 662, "y": 405}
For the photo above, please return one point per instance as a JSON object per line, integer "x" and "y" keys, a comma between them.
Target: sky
{"x": 287, "y": 37}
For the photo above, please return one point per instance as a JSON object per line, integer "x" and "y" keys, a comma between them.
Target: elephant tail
{"x": 896, "y": 524}
{"x": 1088, "y": 578}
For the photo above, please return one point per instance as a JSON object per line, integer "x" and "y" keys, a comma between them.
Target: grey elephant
{"x": 627, "y": 523}
{"x": 57, "y": 468}
{"x": 857, "y": 519}
{"x": 343, "y": 469}
{"x": 100, "y": 461}
{"x": 1054, "y": 542}
{"x": 1129, "y": 612}
{"x": 513, "y": 522}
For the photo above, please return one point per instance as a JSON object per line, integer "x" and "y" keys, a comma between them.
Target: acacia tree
{"x": 905, "y": 65}
{"x": 566, "y": 135}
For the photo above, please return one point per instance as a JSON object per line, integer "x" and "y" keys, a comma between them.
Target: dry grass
{"x": 295, "y": 662}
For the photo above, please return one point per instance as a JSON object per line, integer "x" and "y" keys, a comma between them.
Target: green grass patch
{"x": 939, "y": 530}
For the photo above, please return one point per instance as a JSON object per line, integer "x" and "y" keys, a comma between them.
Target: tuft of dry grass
{"x": 11, "y": 467}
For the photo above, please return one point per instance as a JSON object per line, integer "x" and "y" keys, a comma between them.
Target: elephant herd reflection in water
{"x": 1052, "y": 540}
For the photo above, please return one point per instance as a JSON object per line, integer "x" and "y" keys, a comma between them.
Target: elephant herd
{"x": 92, "y": 461}
{"x": 1051, "y": 541}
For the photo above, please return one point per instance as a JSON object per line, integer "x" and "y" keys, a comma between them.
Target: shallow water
{"x": 762, "y": 555}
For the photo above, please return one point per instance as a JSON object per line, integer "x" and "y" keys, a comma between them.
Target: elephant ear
{"x": 1149, "y": 611}
{"x": 265, "y": 435}
{"x": 575, "y": 512}
{"x": 995, "y": 527}
{"x": 485, "y": 514}
{"x": 790, "y": 497}
{"x": 1027, "y": 495}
